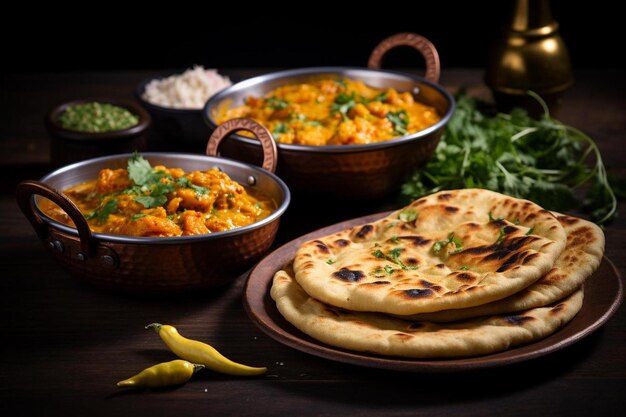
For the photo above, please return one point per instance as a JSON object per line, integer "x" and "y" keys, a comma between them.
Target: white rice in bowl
{"x": 189, "y": 90}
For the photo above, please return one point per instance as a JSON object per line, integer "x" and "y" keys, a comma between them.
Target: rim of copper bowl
{"x": 206, "y": 113}
{"x": 52, "y": 120}
{"x": 175, "y": 239}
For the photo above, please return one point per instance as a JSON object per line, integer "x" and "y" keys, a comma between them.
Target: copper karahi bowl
{"x": 158, "y": 263}
{"x": 367, "y": 171}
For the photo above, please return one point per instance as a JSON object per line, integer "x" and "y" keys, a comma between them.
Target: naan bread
{"x": 392, "y": 265}
{"x": 581, "y": 257}
{"x": 386, "y": 335}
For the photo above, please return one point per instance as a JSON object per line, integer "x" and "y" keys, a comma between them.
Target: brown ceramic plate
{"x": 603, "y": 295}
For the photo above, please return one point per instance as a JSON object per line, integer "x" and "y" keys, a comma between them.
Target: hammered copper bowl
{"x": 159, "y": 263}
{"x": 368, "y": 171}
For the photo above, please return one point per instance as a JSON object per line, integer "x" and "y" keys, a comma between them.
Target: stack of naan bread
{"x": 457, "y": 273}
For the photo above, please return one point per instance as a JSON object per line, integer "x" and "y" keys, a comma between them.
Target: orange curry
{"x": 162, "y": 202}
{"x": 335, "y": 112}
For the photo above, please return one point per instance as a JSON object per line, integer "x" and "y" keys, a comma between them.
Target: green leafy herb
{"x": 330, "y": 261}
{"x": 407, "y": 215}
{"x": 393, "y": 256}
{"x": 275, "y": 103}
{"x": 394, "y": 239}
{"x": 530, "y": 231}
{"x": 341, "y": 83}
{"x": 184, "y": 182}
{"x": 379, "y": 272}
{"x": 440, "y": 244}
{"x": 139, "y": 170}
{"x": 343, "y": 104}
{"x": 102, "y": 212}
{"x": 380, "y": 97}
{"x": 389, "y": 270}
{"x": 541, "y": 160}
{"x": 151, "y": 201}
{"x": 501, "y": 235}
{"x": 137, "y": 216}
{"x": 464, "y": 268}
{"x": 280, "y": 129}
{"x": 494, "y": 219}
{"x": 400, "y": 120}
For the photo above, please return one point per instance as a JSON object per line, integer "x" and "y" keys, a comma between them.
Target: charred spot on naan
{"x": 430, "y": 285}
{"x": 580, "y": 236}
{"x": 342, "y": 243}
{"x": 403, "y": 336}
{"x": 346, "y": 274}
{"x": 321, "y": 246}
{"x": 364, "y": 231}
{"x": 415, "y": 240}
{"x": 504, "y": 254}
{"x": 466, "y": 277}
{"x": 414, "y": 293}
{"x": 557, "y": 308}
{"x": 444, "y": 196}
{"x": 518, "y": 320}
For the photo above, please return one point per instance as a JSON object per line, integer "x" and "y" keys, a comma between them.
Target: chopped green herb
{"x": 343, "y": 104}
{"x": 280, "y": 129}
{"x": 139, "y": 170}
{"x": 341, "y": 83}
{"x": 407, "y": 215}
{"x": 440, "y": 244}
{"x": 393, "y": 256}
{"x": 258, "y": 205}
{"x": 330, "y": 261}
{"x": 530, "y": 231}
{"x": 102, "y": 212}
{"x": 275, "y": 103}
{"x": 184, "y": 182}
{"x": 464, "y": 268}
{"x": 494, "y": 219}
{"x": 541, "y": 160}
{"x": 389, "y": 270}
{"x": 376, "y": 244}
{"x": 380, "y": 97}
{"x": 394, "y": 239}
{"x": 400, "y": 120}
{"x": 150, "y": 201}
{"x": 501, "y": 235}
{"x": 516, "y": 222}
{"x": 137, "y": 216}
{"x": 213, "y": 212}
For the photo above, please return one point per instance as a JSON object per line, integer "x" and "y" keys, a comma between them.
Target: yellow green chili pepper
{"x": 164, "y": 374}
{"x": 198, "y": 352}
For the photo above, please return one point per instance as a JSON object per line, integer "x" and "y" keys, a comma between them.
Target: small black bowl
{"x": 174, "y": 129}
{"x": 69, "y": 146}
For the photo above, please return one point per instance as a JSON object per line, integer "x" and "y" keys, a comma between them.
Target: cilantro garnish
{"x": 102, "y": 212}
{"x": 275, "y": 103}
{"x": 541, "y": 160}
{"x": 343, "y": 104}
{"x": 393, "y": 256}
{"x": 440, "y": 244}
{"x": 400, "y": 120}
{"x": 407, "y": 215}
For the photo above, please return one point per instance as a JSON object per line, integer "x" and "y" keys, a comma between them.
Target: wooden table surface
{"x": 66, "y": 344}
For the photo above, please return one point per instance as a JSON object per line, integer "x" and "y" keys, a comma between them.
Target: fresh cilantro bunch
{"x": 540, "y": 160}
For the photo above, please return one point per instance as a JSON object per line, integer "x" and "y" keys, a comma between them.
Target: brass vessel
{"x": 530, "y": 55}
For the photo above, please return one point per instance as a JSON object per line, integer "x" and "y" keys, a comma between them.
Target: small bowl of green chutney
{"x": 88, "y": 128}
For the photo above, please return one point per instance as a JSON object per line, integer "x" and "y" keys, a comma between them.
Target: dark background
{"x": 111, "y": 36}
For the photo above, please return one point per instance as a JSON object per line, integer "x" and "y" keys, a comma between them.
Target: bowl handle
{"x": 270, "y": 152}
{"x": 27, "y": 189}
{"x": 423, "y": 45}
